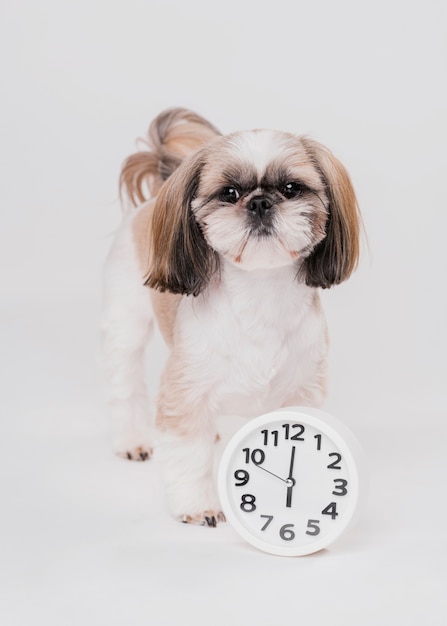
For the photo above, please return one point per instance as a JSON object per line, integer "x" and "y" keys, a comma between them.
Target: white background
{"x": 86, "y": 538}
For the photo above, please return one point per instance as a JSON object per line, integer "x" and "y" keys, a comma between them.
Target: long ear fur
{"x": 333, "y": 259}
{"x": 182, "y": 262}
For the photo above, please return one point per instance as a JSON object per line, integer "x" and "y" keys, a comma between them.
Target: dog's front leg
{"x": 187, "y": 442}
{"x": 127, "y": 326}
{"x": 187, "y": 466}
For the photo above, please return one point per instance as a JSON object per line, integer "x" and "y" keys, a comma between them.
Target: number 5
{"x": 314, "y": 529}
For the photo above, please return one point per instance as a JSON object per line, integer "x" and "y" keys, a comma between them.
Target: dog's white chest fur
{"x": 253, "y": 341}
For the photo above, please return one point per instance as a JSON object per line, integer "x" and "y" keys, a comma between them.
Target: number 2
{"x": 334, "y": 464}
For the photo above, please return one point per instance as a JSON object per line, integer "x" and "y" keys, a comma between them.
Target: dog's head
{"x": 259, "y": 199}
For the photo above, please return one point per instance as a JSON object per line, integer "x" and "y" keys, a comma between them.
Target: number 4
{"x": 331, "y": 510}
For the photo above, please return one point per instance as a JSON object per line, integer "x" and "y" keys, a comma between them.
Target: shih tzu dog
{"x": 228, "y": 256}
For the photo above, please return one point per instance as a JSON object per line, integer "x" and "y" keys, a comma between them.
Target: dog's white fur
{"x": 253, "y": 339}
{"x": 127, "y": 327}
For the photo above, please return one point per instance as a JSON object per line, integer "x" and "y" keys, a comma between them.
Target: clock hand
{"x": 284, "y": 480}
{"x": 290, "y": 480}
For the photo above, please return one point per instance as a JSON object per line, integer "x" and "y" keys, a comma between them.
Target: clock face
{"x": 288, "y": 481}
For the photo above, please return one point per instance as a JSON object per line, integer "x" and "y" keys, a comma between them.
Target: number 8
{"x": 248, "y": 503}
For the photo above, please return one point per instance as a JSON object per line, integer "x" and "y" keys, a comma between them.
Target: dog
{"x": 226, "y": 244}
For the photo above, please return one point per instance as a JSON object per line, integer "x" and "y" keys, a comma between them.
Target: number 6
{"x": 286, "y": 533}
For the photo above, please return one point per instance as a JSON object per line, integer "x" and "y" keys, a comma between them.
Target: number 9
{"x": 242, "y": 477}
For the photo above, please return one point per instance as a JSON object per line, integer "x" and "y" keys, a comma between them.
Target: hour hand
{"x": 290, "y": 480}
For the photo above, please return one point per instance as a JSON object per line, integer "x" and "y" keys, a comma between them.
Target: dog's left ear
{"x": 336, "y": 256}
{"x": 182, "y": 262}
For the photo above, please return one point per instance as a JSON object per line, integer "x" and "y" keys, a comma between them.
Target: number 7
{"x": 268, "y": 522}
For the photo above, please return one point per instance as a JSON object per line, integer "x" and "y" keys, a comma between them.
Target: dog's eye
{"x": 229, "y": 194}
{"x": 293, "y": 190}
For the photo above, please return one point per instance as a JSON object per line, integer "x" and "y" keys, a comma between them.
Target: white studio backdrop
{"x": 80, "y": 81}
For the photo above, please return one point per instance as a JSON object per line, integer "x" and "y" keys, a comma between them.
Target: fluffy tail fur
{"x": 173, "y": 135}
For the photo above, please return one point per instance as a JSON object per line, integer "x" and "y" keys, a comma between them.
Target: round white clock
{"x": 290, "y": 481}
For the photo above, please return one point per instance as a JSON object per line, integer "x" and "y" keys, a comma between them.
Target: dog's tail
{"x": 172, "y": 136}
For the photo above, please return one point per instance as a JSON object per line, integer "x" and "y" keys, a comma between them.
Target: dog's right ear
{"x": 334, "y": 259}
{"x": 182, "y": 262}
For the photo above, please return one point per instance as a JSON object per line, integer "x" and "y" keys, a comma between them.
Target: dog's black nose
{"x": 260, "y": 205}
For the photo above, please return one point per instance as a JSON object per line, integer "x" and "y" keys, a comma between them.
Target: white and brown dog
{"x": 227, "y": 255}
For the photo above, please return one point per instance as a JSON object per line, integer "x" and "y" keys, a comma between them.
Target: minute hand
{"x": 284, "y": 480}
{"x": 290, "y": 480}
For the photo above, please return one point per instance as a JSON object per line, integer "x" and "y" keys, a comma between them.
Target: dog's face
{"x": 259, "y": 199}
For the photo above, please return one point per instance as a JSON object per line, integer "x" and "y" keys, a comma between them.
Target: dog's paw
{"x": 138, "y": 453}
{"x": 132, "y": 444}
{"x": 132, "y": 433}
{"x": 207, "y": 518}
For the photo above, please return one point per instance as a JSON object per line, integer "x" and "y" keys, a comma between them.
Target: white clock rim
{"x": 342, "y": 437}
